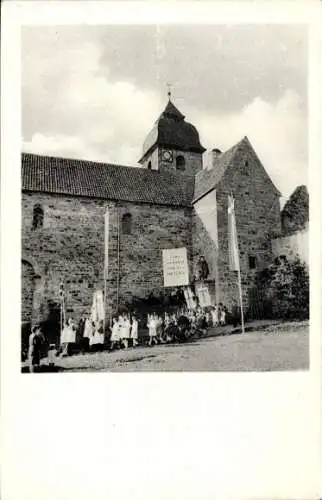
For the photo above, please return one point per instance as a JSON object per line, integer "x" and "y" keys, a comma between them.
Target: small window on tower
{"x": 127, "y": 224}
{"x": 252, "y": 262}
{"x": 149, "y": 165}
{"x": 38, "y": 217}
{"x": 180, "y": 162}
{"x": 246, "y": 163}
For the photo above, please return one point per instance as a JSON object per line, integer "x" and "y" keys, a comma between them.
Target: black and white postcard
{"x": 161, "y": 201}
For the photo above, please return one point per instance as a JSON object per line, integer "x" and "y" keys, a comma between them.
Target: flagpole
{"x": 238, "y": 264}
{"x": 241, "y": 301}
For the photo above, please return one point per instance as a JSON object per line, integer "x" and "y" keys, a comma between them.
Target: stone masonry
{"x": 257, "y": 211}
{"x": 70, "y": 247}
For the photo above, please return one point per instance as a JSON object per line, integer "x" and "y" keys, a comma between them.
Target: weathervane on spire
{"x": 169, "y": 85}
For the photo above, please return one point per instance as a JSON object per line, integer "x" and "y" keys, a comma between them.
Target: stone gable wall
{"x": 257, "y": 211}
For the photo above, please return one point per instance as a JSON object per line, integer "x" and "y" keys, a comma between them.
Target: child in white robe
{"x": 125, "y": 331}
{"x": 115, "y": 337}
{"x": 222, "y": 317}
{"x": 134, "y": 331}
{"x": 88, "y": 332}
{"x": 68, "y": 337}
{"x": 214, "y": 313}
{"x": 98, "y": 337}
{"x": 152, "y": 326}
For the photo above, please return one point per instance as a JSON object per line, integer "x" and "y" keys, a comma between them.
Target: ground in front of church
{"x": 275, "y": 348}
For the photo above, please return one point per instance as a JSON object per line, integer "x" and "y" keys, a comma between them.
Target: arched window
{"x": 127, "y": 224}
{"x": 180, "y": 162}
{"x": 38, "y": 217}
{"x": 149, "y": 165}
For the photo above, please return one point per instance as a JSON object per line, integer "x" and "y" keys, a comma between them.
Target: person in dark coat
{"x": 34, "y": 352}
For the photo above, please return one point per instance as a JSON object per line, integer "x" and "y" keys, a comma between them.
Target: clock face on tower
{"x": 167, "y": 155}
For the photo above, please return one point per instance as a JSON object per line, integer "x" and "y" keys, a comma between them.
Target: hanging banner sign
{"x": 175, "y": 267}
{"x": 203, "y": 295}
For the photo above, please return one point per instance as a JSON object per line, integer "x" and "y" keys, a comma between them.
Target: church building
{"x": 97, "y": 226}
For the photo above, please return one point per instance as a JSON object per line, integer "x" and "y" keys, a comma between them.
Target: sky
{"x": 94, "y": 92}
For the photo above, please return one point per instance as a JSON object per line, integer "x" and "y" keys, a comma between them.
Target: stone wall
{"x": 71, "y": 247}
{"x": 296, "y": 245}
{"x": 27, "y": 291}
{"x": 139, "y": 259}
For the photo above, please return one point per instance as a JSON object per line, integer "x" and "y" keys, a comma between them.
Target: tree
{"x": 295, "y": 214}
{"x": 286, "y": 286}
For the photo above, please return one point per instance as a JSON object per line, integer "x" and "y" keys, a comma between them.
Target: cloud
{"x": 76, "y": 105}
{"x": 87, "y": 115}
{"x": 278, "y": 133}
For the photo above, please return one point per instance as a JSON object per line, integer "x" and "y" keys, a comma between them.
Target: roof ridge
{"x": 80, "y": 160}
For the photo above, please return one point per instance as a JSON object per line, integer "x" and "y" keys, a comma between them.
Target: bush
{"x": 286, "y": 286}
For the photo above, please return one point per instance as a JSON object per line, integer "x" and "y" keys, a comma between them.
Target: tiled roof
{"x": 99, "y": 180}
{"x": 206, "y": 180}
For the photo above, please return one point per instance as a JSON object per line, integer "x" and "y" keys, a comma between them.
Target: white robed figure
{"x": 125, "y": 327}
{"x": 152, "y": 326}
{"x": 88, "y": 329}
{"x": 68, "y": 336}
{"x": 134, "y": 331}
{"x": 222, "y": 319}
{"x": 116, "y": 334}
{"x": 98, "y": 336}
{"x": 214, "y": 313}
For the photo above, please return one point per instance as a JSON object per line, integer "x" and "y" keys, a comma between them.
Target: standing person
{"x": 159, "y": 325}
{"x": 34, "y": 348}
{"x": 80, "y": 330}
{"x": 98, "y": 337}
{"x": 201, "y": 322}
{"x": 208, "y": 319}
{"x": 115, "y": 337}
{"x": 124, "y": 330}
{"x": 134, "y": 331}
{"x": 214, "y": 314}
{"x": 88, "y": 331}
{"x": 127, "y": 331}
{"x": 68, "y": 337}
{"x": 152, "y": 329}
{"x": 222, "y": 317}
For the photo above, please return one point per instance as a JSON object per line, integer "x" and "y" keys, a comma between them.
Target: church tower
{"x": 173, "y": 144}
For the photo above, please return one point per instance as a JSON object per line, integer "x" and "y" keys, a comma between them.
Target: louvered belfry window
{"x": 180, "y": 162}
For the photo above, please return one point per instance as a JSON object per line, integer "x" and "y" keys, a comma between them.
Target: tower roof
{"x": 171, "y": 111}
{"x": 172, "y": 131}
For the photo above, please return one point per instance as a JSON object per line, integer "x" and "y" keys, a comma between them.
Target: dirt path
{"x": 272, "y": 350}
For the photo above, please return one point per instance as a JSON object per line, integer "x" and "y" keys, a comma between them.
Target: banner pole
{"x": 104, "y": 299}
{"x": 241, "y": 300}
{"x": 239, "y": 276}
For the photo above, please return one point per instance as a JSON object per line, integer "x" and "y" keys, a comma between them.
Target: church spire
{"x": 169, "y": 90}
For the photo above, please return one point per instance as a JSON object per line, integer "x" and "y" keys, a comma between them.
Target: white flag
{"x": 106, "y": 237}
{"x": 232, "y": 236}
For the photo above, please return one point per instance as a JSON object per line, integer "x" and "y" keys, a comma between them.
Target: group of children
{"x": 125, "y": 329}
{"x": 165, "y": 328}
{"x": 124, "y": 332}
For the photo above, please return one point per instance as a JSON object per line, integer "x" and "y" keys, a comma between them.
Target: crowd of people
{"x": 124, "y": 331}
